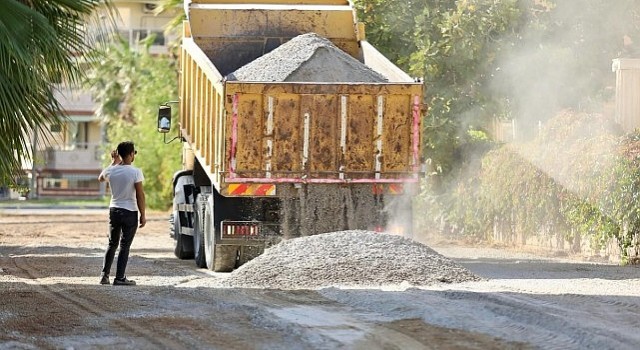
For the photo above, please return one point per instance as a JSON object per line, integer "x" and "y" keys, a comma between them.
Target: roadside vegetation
{"x": 544, "y": 67}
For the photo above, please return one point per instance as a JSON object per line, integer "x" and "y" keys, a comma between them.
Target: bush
{"x": 578, "y": 177}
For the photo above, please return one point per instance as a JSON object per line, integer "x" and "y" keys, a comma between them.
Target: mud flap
{"x": 225, "y": 258}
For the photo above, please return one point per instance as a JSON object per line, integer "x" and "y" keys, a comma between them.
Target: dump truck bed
{"x": 274, "y": 132}
{"x": 309, "y": 132}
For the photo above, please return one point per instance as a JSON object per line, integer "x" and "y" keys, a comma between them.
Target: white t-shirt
{"x": 121, "y": 180}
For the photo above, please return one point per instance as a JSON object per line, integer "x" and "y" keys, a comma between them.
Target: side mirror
{"x": 164, "y": 119}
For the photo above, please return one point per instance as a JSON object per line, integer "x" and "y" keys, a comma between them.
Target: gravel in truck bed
{"x": 353, "y": 258}
{"x": 308, "y": 57}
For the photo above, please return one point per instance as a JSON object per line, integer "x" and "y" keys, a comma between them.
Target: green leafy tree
{"x": 457, "y": 52}
{"x": 39, "y": 43}
{"x": 391, "y": 27}
{"x": 129, "y": 85}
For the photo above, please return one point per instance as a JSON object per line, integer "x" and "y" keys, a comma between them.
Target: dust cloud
{"x": 562, "y": 59}
{"x": 557, "y": 75}
{"x": 553, "y": 76}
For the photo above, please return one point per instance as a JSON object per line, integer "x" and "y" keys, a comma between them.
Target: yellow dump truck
{"x": 278, "y": 144}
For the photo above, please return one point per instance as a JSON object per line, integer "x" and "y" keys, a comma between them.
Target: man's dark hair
{"x": 125, "y": 148}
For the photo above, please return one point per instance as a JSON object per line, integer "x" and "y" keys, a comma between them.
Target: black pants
{"x": 122, "y": 228}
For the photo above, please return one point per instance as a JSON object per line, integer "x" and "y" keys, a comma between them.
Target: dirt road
{"x": 50, "y": 298}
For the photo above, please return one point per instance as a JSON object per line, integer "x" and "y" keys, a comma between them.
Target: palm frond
{"x": 40, "y": 42}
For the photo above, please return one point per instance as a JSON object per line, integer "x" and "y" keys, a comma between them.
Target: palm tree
{"x": 40, "y": 43}
{"x": 114, "y": 77}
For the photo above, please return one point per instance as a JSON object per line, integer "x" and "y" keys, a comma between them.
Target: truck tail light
{"x": 258, "y": 230}
{"x": 240, "y": 229}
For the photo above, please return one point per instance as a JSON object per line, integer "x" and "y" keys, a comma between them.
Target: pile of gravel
{"x": 308, "y": 57}
{"x": 353, "y": 258}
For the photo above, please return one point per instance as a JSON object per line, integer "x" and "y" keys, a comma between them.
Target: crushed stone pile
{"x": 353, "y": 258}
{"x": 308, "y": 57}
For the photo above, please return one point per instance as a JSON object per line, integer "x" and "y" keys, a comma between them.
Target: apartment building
{"x": 68, "y": 163}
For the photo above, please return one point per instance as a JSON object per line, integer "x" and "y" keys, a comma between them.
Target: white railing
{"x": 78, "y": 156}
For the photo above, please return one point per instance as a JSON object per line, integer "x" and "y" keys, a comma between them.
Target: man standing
{"x": 127, "y": 199}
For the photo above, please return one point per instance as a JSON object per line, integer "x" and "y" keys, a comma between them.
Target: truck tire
{"x": 183, "y": 189}
{"x": 209, "y": 234}
{"x": 183, "y": 244}
{"x": 198, "y": 233}
{"x": 219, "y": 258}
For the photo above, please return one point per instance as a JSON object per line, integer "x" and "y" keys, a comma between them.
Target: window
{"x": 143, "y": 33}
{"x": 71, "y": 182}
{"x": 52, "y": 183}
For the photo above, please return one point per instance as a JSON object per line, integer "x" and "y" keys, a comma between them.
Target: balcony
{"x": 74, "y": 100}
{"x": 81, "y": 156}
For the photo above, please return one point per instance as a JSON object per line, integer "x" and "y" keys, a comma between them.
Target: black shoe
{"x": 123, "y": 282}
{"x": 104, "y": 279}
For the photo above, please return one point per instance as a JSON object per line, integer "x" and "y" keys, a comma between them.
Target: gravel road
{"x": 50, "y": 297}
